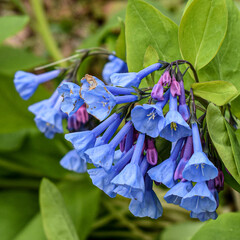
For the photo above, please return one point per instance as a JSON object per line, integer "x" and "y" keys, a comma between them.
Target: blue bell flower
{"x": 199, "y": 168}
{"x": 175, "y": 126}
{"x": 149, "y": 118}
{"x": 204, "y": 216}
{"x": 82, "y": 141}
{"x": 103, "y": 155}
{"x": 27, "y": 83}
{"x": 177, "y": 192}
{"x": 199, "y": 199}
{"x": 130, "y": 180}
{"x": 150, "y": 206}
{"x": 133, "y": 79}
{"x": 71, "y": 97}
{"x": 115, "y": 65}
{"x": 73, "y": 162}
{"x": 102, "y": 179}
{"x": 164, "y": 172}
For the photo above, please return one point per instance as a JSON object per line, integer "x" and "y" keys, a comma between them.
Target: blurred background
{"x": 34, "y": 33}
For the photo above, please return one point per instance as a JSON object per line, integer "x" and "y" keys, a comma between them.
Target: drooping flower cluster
{"x": 119, "y": 154}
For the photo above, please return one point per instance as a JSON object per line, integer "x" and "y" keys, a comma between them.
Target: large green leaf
{"x": 14, "y": 59}
{"x": 218, "y": 92}
{"x": 16, "y": 210}
{"x": 82, "y": 201}
{"x": 56, "y": 220}
{"x": 226, "y": 226}
{"x": 184, "y": 231}
{"x": 146, "y": 26}
{"x": 10, "y": 25}
{"x": 121, "y": 42}
{"x": 199, "y": 36}
{"x": 235, "y": 107}
{"x": 226, "y": 64}
{"x": 219, "y": 135}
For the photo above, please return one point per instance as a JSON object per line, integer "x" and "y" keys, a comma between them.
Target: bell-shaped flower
{"x": 177, "y": 192}
{"x": 175, "y": 87}
{"x": 183, "y": 107}
{"x": 130, "y": 180}
{"x": 149, "y": 118}
{"x": 103, "y": 155}
{"x": 27, "y": 83}
{"x": 73, "y": 162}
{"x": 100, "y": 101}
{"x": 71, "y": 97}
{"x": 150, "y": 206}
{"x": 199, "y": 199}
{"x": 204, "y": 216}
{"x": 133, "y": 79}
{"x": 102, "y": 179}
{"x": 187, "y": 153}
{"x": 164, "y": 172}
{"x": 199, "y": 168}
{"x": 152, "y": 154}
{"x": 82, "y": 141}
{"x": 115, "y": 65}
{"x": 175, "y": 126}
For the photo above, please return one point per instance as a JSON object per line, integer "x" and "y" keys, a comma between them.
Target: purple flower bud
{"x": 219, "y": 181}
{"x": 157, "y": 92}
{"x": 165, "y": 79}
{"x": 82, "y": 114}
{"x": 183, "y": 108}
{"x": 152, "y": 154}
{"x": 175, "y": 87}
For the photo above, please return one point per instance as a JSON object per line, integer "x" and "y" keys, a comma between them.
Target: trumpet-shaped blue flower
{"x": 102, "y": 179}
{"x": 150, "y": 206}
{"x": 199, "y": 199}
{"x": 175, "y": 126}
{"x": 199, "y": 168}
{"x": 82, "y": 141}
{"x": 133, "y": 79}
{"x": 115, "y": 65}
{"x": 149, "y": 118}
{"x": 177, "y": 192}
{"x": 130, "y": 180}
{"x": 164, "y": 172}
{"x": 71, "y": 98}
{"x": 204, "y": 216}
{"x": 103, "y": 155}
{"x": 73, "y": 162}
{"x": 27, "y": 83}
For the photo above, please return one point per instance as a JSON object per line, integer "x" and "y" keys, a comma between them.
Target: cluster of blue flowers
{"x": 119, "y": 154}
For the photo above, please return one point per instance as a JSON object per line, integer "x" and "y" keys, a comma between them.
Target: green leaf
{"x": 199, "y": 36}
{"x": 82, "y": 201}
{"x": 226, "y": 64}
{"x": 184, "y": 231}
{"x": 16, "y": 210}
{"x": 121, "y": 42}
{"x": 231, "y": 181}
{"x": 226, "y": 226}
{"x": 219, "y": 135}
{"x": 235, "y": 107}
{"x": 218, "y": 92}
{"x": 57, "y": 223}
{"x": 10, "y": 25}
{"x": 14, "y": 59}
{"x": 146, "y": 26}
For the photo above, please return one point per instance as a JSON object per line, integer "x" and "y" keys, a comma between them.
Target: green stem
{"x": 42, "y": 27}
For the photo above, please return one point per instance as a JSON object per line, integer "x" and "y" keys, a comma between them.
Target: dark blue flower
{"x": 199, "y": 168}
{"x": 204, "y": 216}
{"x": 133, "y": 79}
{"x": 164, "y": 172}
{"x": 102, "y": 179}
{"x": 150, "y": 206}
{"x": 71, "y": 97}
{"x": 115, "y": 65}
{"x": 27, "y": 83}
{"x": 199, "y": 199}
{"x": 175, "y": 126}
{"x": 130, "y": 180}
{"x": 73, "y": 162}
{"x": 177, "y": 192}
